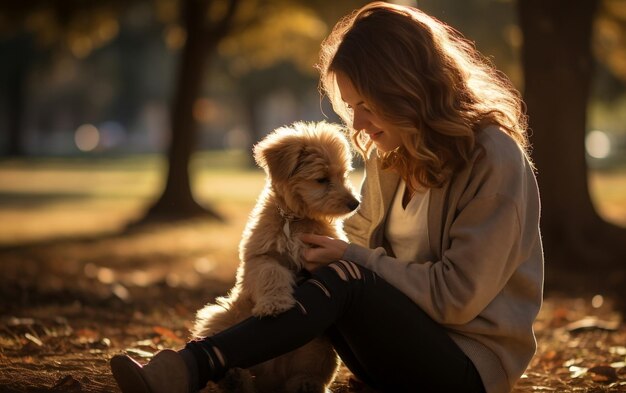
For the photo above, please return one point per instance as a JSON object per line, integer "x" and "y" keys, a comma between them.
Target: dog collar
{"x": 288, "y": 218}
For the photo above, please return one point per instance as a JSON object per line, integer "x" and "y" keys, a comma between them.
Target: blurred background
{"x": 98, "y": 78}
{"x": 115, "y": 113}
{"x": 133, "y": 103}
{"x": 126, "y": 177}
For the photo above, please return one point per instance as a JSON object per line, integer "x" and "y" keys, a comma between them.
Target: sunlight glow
{"x": 598, "y": 144}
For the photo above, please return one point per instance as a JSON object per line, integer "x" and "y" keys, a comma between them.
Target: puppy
{"x": 306, "y": 190}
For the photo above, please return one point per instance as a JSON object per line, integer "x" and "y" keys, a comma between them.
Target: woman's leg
{"x": 385, "y": 338}
{"x": 412, "y": 351}
{"x": 256, "y": 340}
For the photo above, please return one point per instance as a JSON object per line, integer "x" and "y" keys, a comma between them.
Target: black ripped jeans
{"x": 382, "y": 336}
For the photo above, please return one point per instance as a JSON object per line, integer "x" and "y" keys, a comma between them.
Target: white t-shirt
{"x": 406, "y": 229}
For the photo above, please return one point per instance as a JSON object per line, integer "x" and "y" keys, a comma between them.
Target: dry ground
{"x": 74, "y": 290}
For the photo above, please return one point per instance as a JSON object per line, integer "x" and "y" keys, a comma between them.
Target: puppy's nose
{"x": 353, "y": 204}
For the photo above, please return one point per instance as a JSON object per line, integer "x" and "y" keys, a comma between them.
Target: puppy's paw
{"x": 269, "y": 306}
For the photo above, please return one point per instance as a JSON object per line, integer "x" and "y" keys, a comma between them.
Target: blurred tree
{"x": 269, "y": 32}
{"x": 557, "y": 63}
{"x": 491, "y": 24}
{"x": 278, "y": 53}
{"x": 609, "y": 48}
{"x": 12, "y": 77}
{"x": 206, "y": 23}
{"x": 255, "y": 85}
{"x": 609, "y": 44}
{"x": 32, "y": 30}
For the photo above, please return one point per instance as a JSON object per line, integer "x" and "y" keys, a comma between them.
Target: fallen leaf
{"x": 33, "y": 339}
{"x": 9, "y": 343}
{"x": 87, "y": 334}
{"x": 14, "y": 321}
{"x": 121, "y": 292}
{"x": 550, "y": 355}
{"x": 139, "y": 352}
{"x": 577, "y": 372}
{"x": 31, "y": 346}
{"x": 603, "y": 374}
{"x": 67, "y": 384}
{"x": 618, "y": 351}
{"x": 591, "y": 323}
{"x": 167, "y": 334}
{"x": 573, "y": 362}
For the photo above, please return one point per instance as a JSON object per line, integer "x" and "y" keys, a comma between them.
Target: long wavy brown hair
{"x": 426, "y": 80}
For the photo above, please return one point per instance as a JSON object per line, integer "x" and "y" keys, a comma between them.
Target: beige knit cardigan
{"x": 485, "y": 283}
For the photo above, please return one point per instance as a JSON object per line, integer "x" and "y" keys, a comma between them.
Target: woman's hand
{"x": 323, "y": 250}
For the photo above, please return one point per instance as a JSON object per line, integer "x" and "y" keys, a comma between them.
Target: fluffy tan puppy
{"x": 306, "y": 190}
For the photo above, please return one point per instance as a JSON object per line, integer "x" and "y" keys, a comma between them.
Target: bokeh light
{"x": 597, "y": 301}
{"x": 598, "y": 144}
{"x": 87, "y": 137}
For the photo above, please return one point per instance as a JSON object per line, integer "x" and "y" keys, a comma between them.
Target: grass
{"x": 42, "y": 199}
{"x": 608, "y": 192}
{"x": 59, "y": 197}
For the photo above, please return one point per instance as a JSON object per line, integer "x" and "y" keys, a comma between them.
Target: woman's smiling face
{"x": 363, "y": 119}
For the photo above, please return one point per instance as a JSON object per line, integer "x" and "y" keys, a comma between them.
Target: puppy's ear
{"x": 279, "y": 153}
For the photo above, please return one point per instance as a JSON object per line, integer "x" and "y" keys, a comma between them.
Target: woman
{"x": 445, "y": 269}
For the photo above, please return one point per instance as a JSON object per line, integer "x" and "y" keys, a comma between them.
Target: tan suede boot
{"x": 166, "y": 372}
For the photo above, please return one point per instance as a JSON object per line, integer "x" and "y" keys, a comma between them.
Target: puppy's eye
{"x": 323, "y": 180}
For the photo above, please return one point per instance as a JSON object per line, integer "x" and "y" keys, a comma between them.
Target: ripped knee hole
{"x": 345, "y": 269}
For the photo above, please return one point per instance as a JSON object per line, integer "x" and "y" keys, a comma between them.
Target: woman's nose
{"x": 359, "y": 121}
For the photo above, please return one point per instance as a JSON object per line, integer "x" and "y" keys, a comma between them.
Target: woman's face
{"x": 363, "y": 119}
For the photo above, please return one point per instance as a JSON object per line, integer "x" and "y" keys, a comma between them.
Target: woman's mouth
{"x": 375, "y": 135}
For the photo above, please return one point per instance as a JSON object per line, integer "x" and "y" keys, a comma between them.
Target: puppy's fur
{"x": 307, "y": 190}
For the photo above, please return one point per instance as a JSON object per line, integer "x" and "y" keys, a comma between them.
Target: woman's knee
{"x": 340, "y": 275}
{"x": 347, "y": 271}
{"x": 337, "y": 285}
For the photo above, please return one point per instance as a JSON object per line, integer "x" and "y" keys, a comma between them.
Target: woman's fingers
{"x": 323, "y": 249}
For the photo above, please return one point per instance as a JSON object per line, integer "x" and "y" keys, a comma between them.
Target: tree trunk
{"x": 12, "y": 91}
{"x": 557, "y": 63}
{"x": 15, "y": 105}
{"x": 177, "y": 201}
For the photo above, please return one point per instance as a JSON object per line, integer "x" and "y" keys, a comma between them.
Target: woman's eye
{"x": 323, "y": 180}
